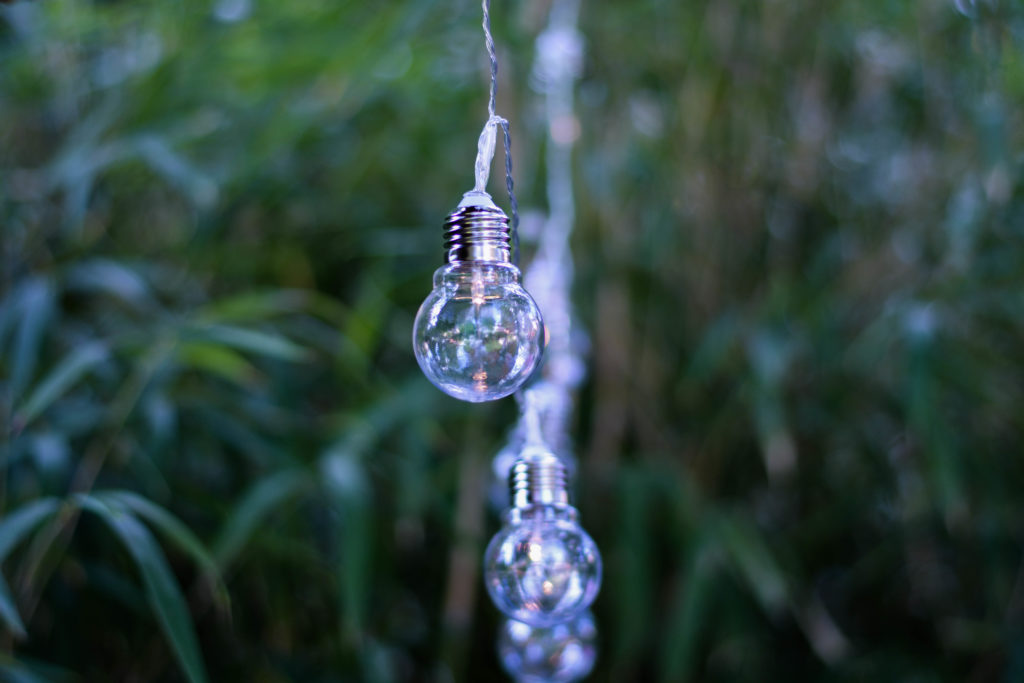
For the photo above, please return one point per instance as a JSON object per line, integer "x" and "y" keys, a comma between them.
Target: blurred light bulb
{"x": 479, "y": 335}
{"x": 541, "y": 568}
{"x": 563, "y": 653}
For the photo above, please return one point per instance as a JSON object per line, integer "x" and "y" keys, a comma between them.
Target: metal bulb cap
{"x": 538, "y": 477}
{"x": 477, "y": 231}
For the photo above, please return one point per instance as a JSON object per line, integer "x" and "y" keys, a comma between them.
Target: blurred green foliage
{"x": 800, "y": 253}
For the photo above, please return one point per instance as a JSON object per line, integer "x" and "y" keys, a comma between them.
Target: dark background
{"x": 799, "y": 250}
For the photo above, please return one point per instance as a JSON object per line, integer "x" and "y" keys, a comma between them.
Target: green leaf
{"x": 753, "y": 558}
{"x": 252, "y": 341}
{"x": 74, "y": 366}
{"x": 347, "y": 487}
{"x": 258, "y": 305}
{"x": 219, "y": 360}
{"x": 114, "y": 279}
{"x": 688, "y": 610}
{"x": 15, "y": 672}
{"x": 8, "y": 612}
{"x": 36, "y": 303}
{"x": 161, "y": 588}
{"x": 174, "y": 529}
{"x": 27, "y": 670}
{"x": 14, "y": 526}
{"x": 262, "y": 499}
{"x": 177, "y": 170}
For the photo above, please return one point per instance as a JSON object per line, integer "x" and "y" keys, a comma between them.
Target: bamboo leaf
{"x": 36, "y": 304}
{"x": 28, "y": 670}
{"x": 260, "y": 501}
{"x": 106, "y": 276}
{"x": 15, "y": 672}
{"x": 688, "y": 611}
{"x": 753, "y": 558}
{"x": 70, "y": 370}
{"x": 177, "y": 170}
{"x": 252, "y": 341}
{"x": 219, "y": 360}
{"x": 173, "y": 528}
{"x": 8, "y": 612}
{"x": 347, "y": 488}
{"x": 258, "y": 305}
{"x": 161, "y": 588}
{"x": 16, "y": 525}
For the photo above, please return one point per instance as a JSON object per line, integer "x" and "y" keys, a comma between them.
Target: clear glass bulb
{"x": 563, "y": 653}
{"x": 542, "y": 568}
{"x": 479, "y": 335}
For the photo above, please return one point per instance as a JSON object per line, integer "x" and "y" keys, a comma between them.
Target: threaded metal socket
{"x": 477, "y": 231}
{"x": 538, "y": 478}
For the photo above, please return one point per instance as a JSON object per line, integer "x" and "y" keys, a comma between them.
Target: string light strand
{"x": 486, "y": 143}
{"x": 492, "y": 55}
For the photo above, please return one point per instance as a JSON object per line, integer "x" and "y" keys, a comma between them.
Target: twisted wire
{"x": 492, "y": 55}
{"x": 548, "y": 401}
{"x": 485, "y": 147}
{"x": 511, "y": 193}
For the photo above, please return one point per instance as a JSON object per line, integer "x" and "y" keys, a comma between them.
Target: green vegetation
{"x": 799, "y": 252}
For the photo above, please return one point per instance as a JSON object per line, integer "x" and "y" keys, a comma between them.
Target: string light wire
{"x": 548, "y": 401}
{"x": 486, "y": 143}
{"x": 546, "y": 405}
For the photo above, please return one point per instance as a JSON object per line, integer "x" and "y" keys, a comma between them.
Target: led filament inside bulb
{"x": 479, "y": 335}
{"x": 542, "y": 568}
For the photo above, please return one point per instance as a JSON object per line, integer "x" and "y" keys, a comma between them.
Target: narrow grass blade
{"x": 219, "y": 360}
{"x": 27, "y": 670}
{"x": 161, "y": 588}
{"x": 114, "y": 279}
{"x": 260, "y": 501}
{"x": 173, "y": 528}
{"x": 16, "y": 525}
{"x": 688, "y": 611}
{"x": 251, "y": 341}
{"x": 68, "y": 372}
{"x": 37, "y": 307}
{"x": 258, "y": 305}
{"x": 13, "y": 672}
{"x": 8, "y": 612}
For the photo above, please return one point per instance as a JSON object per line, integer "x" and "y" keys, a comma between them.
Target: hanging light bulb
{"x": 541, "y": 568}
{"x": 479, "y": 335}
{"x": 563, "y": 653}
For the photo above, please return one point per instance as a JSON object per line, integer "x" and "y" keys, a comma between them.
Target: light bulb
{"x": 541, "y": 568}
{"x": 563, "y": 653}
{"x": 479, "y": 335}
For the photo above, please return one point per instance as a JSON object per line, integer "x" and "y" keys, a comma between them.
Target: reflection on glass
{"x": 556, "y": 654}
{"x": 478, "y": 335}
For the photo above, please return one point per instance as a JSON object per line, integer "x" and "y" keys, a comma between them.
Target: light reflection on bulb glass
{"x": 563, "y": 653}
{"x": 542, "y": 568}
{"x": 479, "y": 335}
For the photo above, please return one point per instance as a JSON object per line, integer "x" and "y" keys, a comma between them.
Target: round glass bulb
{"x": 563, "y": 653}
{"x": 542, "y": 568}
{"x": 479, "y": 335}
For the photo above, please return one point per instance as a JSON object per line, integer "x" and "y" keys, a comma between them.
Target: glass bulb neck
{"x": 477, "y": 231}
{"x": 539, "y": 478}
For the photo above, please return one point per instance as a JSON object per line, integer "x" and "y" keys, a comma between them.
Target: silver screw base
{"x": 538, "y": 477}
{"x": 477, "y": 231}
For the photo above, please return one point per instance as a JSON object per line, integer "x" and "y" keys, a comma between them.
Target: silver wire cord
{"x": 485, "y": 147}
{"x": 492, "y": 54}
{"x": 513, "y": 204}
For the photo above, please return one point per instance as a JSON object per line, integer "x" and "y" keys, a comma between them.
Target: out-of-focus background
{"x": 800, "y": 257}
